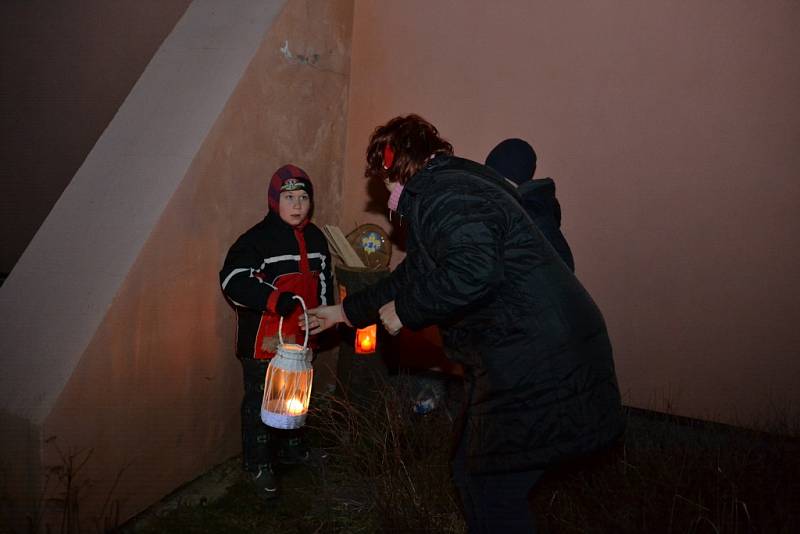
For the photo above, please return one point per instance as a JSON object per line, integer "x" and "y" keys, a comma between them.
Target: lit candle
{"x": 294, "y": 407}
{"x": 365, "y": 339}
{"x": 367, "y": 344}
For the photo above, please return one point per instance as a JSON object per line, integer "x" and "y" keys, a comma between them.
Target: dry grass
{"x": 394, "y": 463}
{"x": 389, "y": 472}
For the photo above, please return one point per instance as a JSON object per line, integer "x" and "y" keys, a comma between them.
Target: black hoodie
{"x": 539, "y": 200}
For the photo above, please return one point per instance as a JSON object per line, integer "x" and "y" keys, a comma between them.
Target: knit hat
{"x": 515, "y": 159}
{"x": 288, "y": 178}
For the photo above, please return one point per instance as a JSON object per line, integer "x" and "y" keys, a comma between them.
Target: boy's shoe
{"x": 265, "y": 482}
{"x": 294, "y": 452}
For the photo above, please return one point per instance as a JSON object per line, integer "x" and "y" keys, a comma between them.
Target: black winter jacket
{"x": 539, "y": 200}
{"x": 537, "y": 357}
{"x": 268, "y": 258}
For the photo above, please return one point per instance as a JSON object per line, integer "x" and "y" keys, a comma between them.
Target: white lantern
{"x": 287, "y": 385}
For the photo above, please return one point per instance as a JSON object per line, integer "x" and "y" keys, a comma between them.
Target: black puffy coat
{"x": 537, "y": 357}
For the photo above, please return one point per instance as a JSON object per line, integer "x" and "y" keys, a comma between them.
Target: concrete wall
{"x": 671, "y": 130}
{"x": 154, "y": 390}
{"x": 66, "y": 67}
{"x": 159, "y": 377}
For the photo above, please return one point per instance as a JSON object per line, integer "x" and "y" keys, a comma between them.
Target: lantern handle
{"x": 305, "y": 317}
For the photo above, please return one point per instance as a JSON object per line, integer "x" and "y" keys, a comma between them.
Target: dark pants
{"x": 259, "y": 442}
{"x": 496, "y": 502}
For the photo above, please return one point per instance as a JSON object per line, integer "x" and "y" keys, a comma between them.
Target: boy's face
{"x": 294, "y": 206}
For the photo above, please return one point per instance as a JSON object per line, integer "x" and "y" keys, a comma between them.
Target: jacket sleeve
{"x": 466, "y": 249}
{"x": 241, "y": 279}
{"x": 361, "y": 308}
{"x": 326, "y": 280}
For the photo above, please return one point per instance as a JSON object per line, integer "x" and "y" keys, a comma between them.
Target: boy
{"x": 281, "y": 256}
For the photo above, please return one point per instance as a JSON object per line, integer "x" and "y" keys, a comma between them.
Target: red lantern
{"x": 366, "y": 339}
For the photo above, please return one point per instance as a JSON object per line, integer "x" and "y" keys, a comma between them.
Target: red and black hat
{"x": 288, "y": 178}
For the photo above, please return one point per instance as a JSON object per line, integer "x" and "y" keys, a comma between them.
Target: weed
{"x": 388, "y": 471}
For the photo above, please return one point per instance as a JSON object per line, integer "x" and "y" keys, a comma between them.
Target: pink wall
{"x": 155, "y": 395}
{"x": 160, "y": 379}
{"x": 67, "y": 67}
{"x": 672, "y": 132}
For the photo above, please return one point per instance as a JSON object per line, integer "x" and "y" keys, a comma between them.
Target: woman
{"x": 538, "y": 364}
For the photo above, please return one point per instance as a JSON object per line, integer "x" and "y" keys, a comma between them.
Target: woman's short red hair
{"x": 413, "y": 141}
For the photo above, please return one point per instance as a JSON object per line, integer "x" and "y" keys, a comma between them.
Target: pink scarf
{"x": 394, "y": 198}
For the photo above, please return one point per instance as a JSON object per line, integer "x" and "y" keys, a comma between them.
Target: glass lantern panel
{"x": 366, "y": 339}
{"x": 286, "y": 397}
{"x": 282, "y": 385}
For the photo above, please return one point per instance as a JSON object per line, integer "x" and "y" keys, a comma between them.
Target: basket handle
{"x": 305, "y": 316}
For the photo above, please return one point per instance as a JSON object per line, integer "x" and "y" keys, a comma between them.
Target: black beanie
{"x": 514, "y": 159}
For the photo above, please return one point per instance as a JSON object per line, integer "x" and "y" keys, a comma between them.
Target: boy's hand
{"x": 286, "y": 304}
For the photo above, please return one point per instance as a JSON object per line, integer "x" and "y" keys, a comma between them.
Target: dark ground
{"x": 388, "y": 472}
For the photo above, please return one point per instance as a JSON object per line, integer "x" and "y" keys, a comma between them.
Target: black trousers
{"x": 496, "y": 502}
{"x": 260, "y": 443}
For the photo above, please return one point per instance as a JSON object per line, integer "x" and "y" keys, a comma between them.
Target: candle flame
{"x": 295, "y": 407}
{"x": 367, "y": 343}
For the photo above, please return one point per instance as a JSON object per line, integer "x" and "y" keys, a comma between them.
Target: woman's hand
{"x": 322, "y": 318}
{"x": 390, "y": 319}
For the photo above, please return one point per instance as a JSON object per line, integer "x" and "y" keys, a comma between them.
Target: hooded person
{"x": 515, "y": 160}
{"x": 283, "y": 255}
